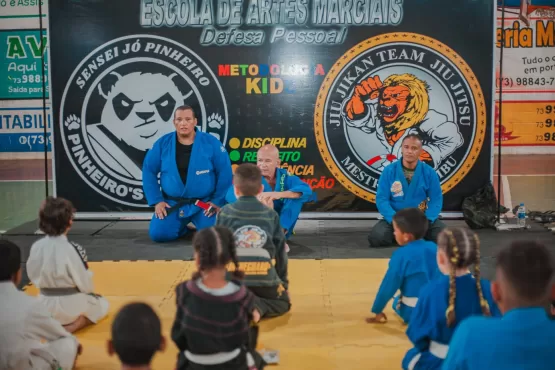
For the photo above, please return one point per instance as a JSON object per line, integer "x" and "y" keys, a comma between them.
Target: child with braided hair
{"x": 448, "y": 300}
{"x": 212, "y": 326}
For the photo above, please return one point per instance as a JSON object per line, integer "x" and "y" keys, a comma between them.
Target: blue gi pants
{"x": 173, "y": 227}
{"x": 289, "y": 215}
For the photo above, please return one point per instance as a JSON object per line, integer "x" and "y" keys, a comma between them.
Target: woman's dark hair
{"x": 462, "y": 248}
{"x": 55, "y": 216}
{"x": 215, "y": 247}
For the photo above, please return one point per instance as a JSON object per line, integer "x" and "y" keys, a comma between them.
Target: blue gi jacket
{"x": 410, "y": 268}
{"x": 208, "y": 177}
{"x": 428, "y": 323}
{"x": 520, "y": 340}
{"x": 394, "y": 193}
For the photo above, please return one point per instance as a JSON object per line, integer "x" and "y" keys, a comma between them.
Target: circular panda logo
{"x": 121, "y": 98}
{"x": 391, "y": 86}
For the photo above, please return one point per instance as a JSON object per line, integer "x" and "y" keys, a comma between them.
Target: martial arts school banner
{"x": 334, "y": 84}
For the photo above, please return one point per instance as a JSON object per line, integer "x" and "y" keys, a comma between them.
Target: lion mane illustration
{"x": 409, "y": 114}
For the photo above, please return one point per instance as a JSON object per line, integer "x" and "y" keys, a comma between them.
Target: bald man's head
{"x": 268, "y": 160}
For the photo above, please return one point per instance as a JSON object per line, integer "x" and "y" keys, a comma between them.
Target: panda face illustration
{"x": 139, "y": 108}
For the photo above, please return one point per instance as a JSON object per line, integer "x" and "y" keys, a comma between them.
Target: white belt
{"x": 212, "y": 359}
{"x": 409, "y": 301}
{"x": 439, "y": 350}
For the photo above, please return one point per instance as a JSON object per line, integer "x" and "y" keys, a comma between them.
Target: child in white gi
{"x": 523, "y": 338}
{"x": 29, "y": 337}
{"x": 59, "y": 269}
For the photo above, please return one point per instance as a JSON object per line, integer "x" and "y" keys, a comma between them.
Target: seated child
{"x": 59, "y": 269}
{"x": 523, "y": 339}
{"x": 410, "y": 267}
{"x": 29, "y": 337}
{"x": 448, "y": 300}
{"x": 212, "y": 323}
{"x": 136, "y": 336}
{"x": 259, "y": 240}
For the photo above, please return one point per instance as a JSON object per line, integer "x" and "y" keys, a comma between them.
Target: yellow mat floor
{"x": 324, "y": 330}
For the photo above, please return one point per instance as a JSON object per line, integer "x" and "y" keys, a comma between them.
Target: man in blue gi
{"x": 195, "y": 173}
{"x": 407, "y": 183}
{"x": 283, "y": 192}
{"x": 523, "y": 338}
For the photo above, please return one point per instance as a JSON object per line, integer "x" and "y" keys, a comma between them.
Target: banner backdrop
{"x": 334, "y": 84}
{"x": 528, "y": 79}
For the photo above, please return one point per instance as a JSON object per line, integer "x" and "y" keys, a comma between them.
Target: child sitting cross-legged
{"x": 212, "y": 326}
{"x": 59, "y": 268}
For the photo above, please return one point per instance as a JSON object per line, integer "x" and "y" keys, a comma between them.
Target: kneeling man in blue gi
{"x": 283, "y": 192}
{"x": 407, "y": 183}
{"x": 195, "y": 173}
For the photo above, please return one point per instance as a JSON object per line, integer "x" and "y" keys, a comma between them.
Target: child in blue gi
{"x": 448, "y": 300}
{"x": 523, "y": 339}
{"x": 410, "y": 268}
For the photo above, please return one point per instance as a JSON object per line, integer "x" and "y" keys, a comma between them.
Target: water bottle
{"x": 521, "y": 215}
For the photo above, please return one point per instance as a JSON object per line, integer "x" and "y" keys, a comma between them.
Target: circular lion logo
{"x": 388, "y": 87}
{"x": 250, "y": 236}
{"x": 121, "y": 99}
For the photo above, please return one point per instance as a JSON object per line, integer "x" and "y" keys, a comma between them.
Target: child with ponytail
{"x": 445, "y": 302}
{"x": 212, "y": 327}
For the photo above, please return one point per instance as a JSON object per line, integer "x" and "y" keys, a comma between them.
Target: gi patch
{"x": 82, "y": 253}
{"x": 397, "y": 189}
{"x": 250, "y": 236}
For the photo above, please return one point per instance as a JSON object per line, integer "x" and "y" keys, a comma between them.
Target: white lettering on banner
{"x": 227, "y": 22}
{"x": 23, "y": 120}
{"x": 108, "y": 120}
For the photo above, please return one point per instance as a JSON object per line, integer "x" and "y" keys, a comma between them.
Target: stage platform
{"x": 334, "y": 278}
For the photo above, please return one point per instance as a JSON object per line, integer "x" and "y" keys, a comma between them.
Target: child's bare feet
{"x": 380, "y": 318}
{"x": 78, "y": 324}
{"x": 255, "y": 316}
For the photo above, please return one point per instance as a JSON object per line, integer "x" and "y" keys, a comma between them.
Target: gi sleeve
{"x": 383, "y": 197}
{"x": 422, "y": 320}
{"x": 178, "y": 328}
{"x": 230, "y": 195}
{"x": 297, "y": 185}
{"x": 81, "y": 277}
{"x": 458, "y": 348}
{"x": 151, "y": 169}
{"x": 281, "y": 253}
{"x": 390, "y": 284}
{"x": 436, "y": 197}
{"x": 224, "y": 175}
{"x": 41, "y": 324}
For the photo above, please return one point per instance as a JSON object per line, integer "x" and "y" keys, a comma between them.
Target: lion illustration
{"x": 138, "y": 111}
{"x": 396, "y": 108}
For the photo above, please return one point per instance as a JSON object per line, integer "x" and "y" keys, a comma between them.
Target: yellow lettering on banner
{"x": 279, "y": 142}
{"x": 545, "y": 34}
{"x": 527, "y": 123}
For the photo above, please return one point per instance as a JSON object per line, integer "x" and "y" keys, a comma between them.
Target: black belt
{"x": 180, "y": 202}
